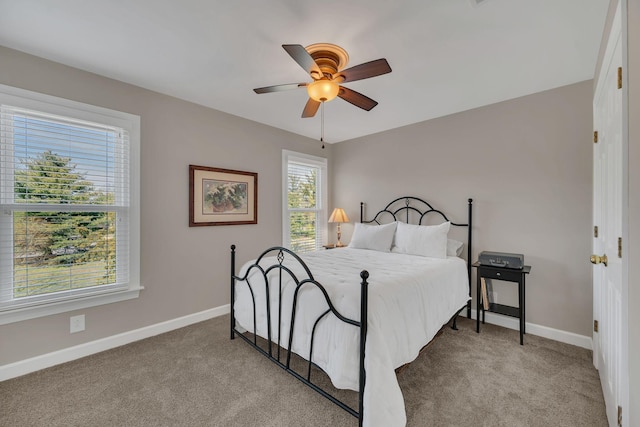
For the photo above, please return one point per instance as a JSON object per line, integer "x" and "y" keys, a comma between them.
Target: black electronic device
{"x": 501, "y": 259}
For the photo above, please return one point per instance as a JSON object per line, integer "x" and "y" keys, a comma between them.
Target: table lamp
{"x": 338, "y": 216}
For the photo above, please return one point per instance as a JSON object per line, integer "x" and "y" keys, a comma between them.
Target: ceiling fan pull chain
{"x": 322, "y": 125}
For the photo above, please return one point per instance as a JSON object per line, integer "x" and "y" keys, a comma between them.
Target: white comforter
{"x": 410, "y": 298}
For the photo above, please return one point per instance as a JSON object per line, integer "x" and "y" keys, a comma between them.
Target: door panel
{"x": 607, "y": 215}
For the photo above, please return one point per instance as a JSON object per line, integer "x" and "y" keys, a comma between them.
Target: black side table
{"x": 508, "y": 275}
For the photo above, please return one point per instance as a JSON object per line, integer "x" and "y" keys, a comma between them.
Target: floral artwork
{"x": 222, "y": 196}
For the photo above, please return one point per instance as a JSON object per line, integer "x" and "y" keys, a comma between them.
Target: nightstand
{"x": 507, "y": 275}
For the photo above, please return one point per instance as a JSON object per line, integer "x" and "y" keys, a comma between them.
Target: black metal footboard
{"x": 277, "y": 270}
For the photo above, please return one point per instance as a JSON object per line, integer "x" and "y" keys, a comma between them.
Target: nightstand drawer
{"x": 500, "y": 274}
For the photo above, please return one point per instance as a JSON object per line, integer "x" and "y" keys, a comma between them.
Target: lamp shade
{"x": 323, "y": 90}
{"x": 338, "y": 215}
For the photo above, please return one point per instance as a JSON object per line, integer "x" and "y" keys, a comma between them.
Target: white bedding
{"x": 410, "y": 298}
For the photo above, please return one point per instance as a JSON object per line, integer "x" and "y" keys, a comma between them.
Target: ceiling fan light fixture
{"x": 325, "y": 64}
{"x": 323, "y": 90}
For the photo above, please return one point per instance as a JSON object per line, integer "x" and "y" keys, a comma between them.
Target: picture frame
{"x": 222, "y": 196}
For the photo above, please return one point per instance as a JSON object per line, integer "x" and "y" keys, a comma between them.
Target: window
{"x": 69, "y": 215}
{"x": 305, "y": 200}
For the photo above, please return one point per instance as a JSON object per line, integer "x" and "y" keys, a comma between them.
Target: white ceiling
{"x": 447, "y": 55}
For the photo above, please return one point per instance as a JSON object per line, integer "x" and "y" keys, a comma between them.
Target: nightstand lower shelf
{"x": 507, "y": 310}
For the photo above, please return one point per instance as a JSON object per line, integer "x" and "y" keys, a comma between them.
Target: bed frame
{"x": 408, "y": 205}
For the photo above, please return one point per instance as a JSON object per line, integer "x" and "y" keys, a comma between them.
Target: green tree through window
{"x": 302, "y": 194}
{"x": 304, "y": 214}
{"x": 48, "y": 246}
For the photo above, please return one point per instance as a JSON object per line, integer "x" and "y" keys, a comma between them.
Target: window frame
{"x": 313, "y": 161}
{"x": 58, "y": 302}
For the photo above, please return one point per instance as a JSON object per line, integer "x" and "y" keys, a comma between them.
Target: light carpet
{"x": 197, "y": 376}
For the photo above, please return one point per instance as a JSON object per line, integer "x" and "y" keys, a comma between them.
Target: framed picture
{"x": 222, "y": 196}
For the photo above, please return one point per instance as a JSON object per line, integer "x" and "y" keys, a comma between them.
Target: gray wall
{"x": 184, "y": 270}
{"x": 527, "y": 165}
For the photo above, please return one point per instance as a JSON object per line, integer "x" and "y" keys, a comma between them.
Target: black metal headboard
{"x": 417, "y": 207}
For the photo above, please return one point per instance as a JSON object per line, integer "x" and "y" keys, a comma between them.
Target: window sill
{"x": 26, "y": 313}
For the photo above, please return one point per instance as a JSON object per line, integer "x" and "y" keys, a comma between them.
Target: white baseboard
{"x": 33, "y": 364}
{"x": 539, "y": 330}
{"x": 37, "y": 363}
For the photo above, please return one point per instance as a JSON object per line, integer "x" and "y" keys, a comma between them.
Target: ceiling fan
{"x": 325, "y": 64}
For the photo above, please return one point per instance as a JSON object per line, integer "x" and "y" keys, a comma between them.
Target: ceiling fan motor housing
{"x": 329, "y": 57}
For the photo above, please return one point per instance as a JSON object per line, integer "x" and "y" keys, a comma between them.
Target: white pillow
{"x": 374, "y": 237}
{"x": 454, "y": 247}
{"x": 423, "y": 240}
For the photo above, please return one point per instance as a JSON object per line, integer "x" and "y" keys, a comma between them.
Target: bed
{"x": 393, "y": 274}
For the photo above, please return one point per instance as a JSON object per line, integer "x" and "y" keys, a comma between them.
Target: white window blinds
{"x": 305, "y": 212}
{"x": 64, "y": 193}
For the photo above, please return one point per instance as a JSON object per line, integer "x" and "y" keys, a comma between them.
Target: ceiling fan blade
{"x": 366, "y": 70}
{"x": 279, "y": 88}
{"x": 357, "y": 99}
{"x": 310, "y": 109}
{"x": 302, "y": 57}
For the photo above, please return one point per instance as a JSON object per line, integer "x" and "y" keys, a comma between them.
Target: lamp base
{"x": 339, "y": 244}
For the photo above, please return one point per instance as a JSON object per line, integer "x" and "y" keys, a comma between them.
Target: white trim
{"x": 56, "y": 106}
{"x": 61, "y": 106}
{"x": 16, "y": 369}
{"x": 48, "y": 308}
{"x": 539, "y": 330}
{"x": 23, "y": 367}
{"x": 624, "y": 385}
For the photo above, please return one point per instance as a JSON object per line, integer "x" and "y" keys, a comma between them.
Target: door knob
{"x": 595, "y": 259}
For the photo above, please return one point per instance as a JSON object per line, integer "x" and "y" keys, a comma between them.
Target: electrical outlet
{"x": 76, "y": 324}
